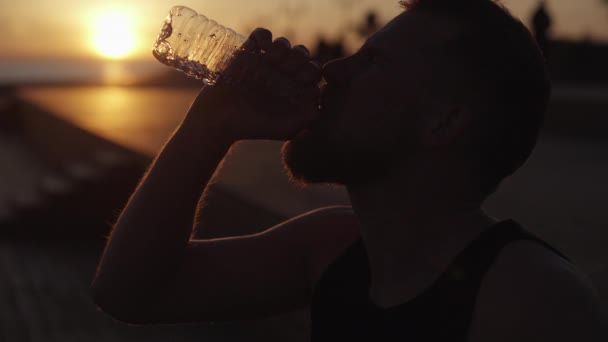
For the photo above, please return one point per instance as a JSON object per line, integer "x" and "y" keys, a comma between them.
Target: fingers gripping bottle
{"x": 196, "y": 45}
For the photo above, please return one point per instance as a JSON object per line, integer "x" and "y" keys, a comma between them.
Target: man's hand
{"x": 269, "y": 91}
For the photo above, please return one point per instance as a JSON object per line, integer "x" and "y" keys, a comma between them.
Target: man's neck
{"x": 412, "y": 233}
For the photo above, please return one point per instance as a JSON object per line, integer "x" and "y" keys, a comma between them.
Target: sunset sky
{"x": 42, "y": 29}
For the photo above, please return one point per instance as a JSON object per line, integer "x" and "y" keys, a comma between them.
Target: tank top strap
{"x": 341, "y": 307}
{"x": 456, "y": 290}
{"x": 479, "y": 256}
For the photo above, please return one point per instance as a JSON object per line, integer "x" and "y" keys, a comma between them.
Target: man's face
{"x": 370, "y": 107}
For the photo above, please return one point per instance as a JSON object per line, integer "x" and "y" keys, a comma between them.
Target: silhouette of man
{"x": 420, "y": 126}
{"x": 541, "y": 21}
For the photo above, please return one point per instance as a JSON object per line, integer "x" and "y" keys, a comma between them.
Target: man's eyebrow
{"x": 363, "y": 47}
{"x": 373, "y": 44}
{"x": 367, "y": 44}
{"x": 369, "y": 47}
{"x": 373, "y": 48}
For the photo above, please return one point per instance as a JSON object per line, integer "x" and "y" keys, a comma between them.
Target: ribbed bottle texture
{"x": 196, "y": 45}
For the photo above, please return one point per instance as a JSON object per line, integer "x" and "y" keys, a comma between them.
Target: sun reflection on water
{"x": 138, "y": 118}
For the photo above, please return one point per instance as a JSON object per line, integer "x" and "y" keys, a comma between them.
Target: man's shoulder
{"x": 532, "y": 293}
{"x": 331, "y": 230}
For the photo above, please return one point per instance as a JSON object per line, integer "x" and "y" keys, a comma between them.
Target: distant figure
{"x": 541, "y": 22}
{"x": 420, "y": 126}
{"x": 327, "y": 51}
{"x": 369, "y": 26}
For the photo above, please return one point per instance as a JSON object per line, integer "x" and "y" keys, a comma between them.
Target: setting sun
{"x": 114, "y": 35}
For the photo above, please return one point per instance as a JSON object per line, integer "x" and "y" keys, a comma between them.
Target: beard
{"x": 324, "y": 155}
{"x": 309, "y": 159}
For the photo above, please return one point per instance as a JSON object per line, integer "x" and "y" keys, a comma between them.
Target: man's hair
{"x": 505, "y": 74}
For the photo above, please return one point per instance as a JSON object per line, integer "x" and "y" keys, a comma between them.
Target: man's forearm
{"x": 153, "y": 230}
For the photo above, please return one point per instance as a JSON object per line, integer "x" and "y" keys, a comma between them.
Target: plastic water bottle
{"x": 196, "y": 45}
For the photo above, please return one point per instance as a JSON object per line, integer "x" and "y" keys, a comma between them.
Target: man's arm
{"x": 151, "y": 238}
{"x": 529, "y": 298}
{"x": 151, "y": 235}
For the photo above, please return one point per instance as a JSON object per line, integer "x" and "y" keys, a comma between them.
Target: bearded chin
{"x": 310, "y": 161}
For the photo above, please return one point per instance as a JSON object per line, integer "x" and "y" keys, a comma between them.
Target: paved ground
{"x": 44, "y": 297}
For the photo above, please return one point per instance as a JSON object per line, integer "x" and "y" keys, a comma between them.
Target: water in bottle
{"x": 196, "y": 45}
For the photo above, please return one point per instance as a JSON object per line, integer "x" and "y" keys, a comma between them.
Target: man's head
{"x": 460, "y": 81}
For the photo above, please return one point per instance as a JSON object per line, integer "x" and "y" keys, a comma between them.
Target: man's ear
{"x": 445, "y": 124}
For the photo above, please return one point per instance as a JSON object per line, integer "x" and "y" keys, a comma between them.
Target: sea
{"x": 139, "y": 118}
{"x": 112, "y": 99}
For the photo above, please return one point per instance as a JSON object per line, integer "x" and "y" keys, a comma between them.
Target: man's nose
{"x": 336, "y": 71}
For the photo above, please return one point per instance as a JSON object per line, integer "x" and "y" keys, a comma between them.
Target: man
{"x": 420, "y": 125}
{"x": 541, "y": 24}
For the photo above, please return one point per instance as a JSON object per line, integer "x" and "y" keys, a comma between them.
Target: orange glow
{"x": 114, "y": 35}
{"x": 115, "y": 29}
{"x": 141, "y": 119}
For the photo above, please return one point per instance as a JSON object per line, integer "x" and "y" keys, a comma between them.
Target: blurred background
{"x": 84, "y": 107}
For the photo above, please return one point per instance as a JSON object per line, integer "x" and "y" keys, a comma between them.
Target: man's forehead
{"x": 417, "y": 30}
{"x": 397, "y": 27}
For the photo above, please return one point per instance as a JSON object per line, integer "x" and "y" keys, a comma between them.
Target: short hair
{"x": 498, "y": 54}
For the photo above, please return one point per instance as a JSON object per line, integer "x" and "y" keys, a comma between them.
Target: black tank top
{"x": 341, "y": 309}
